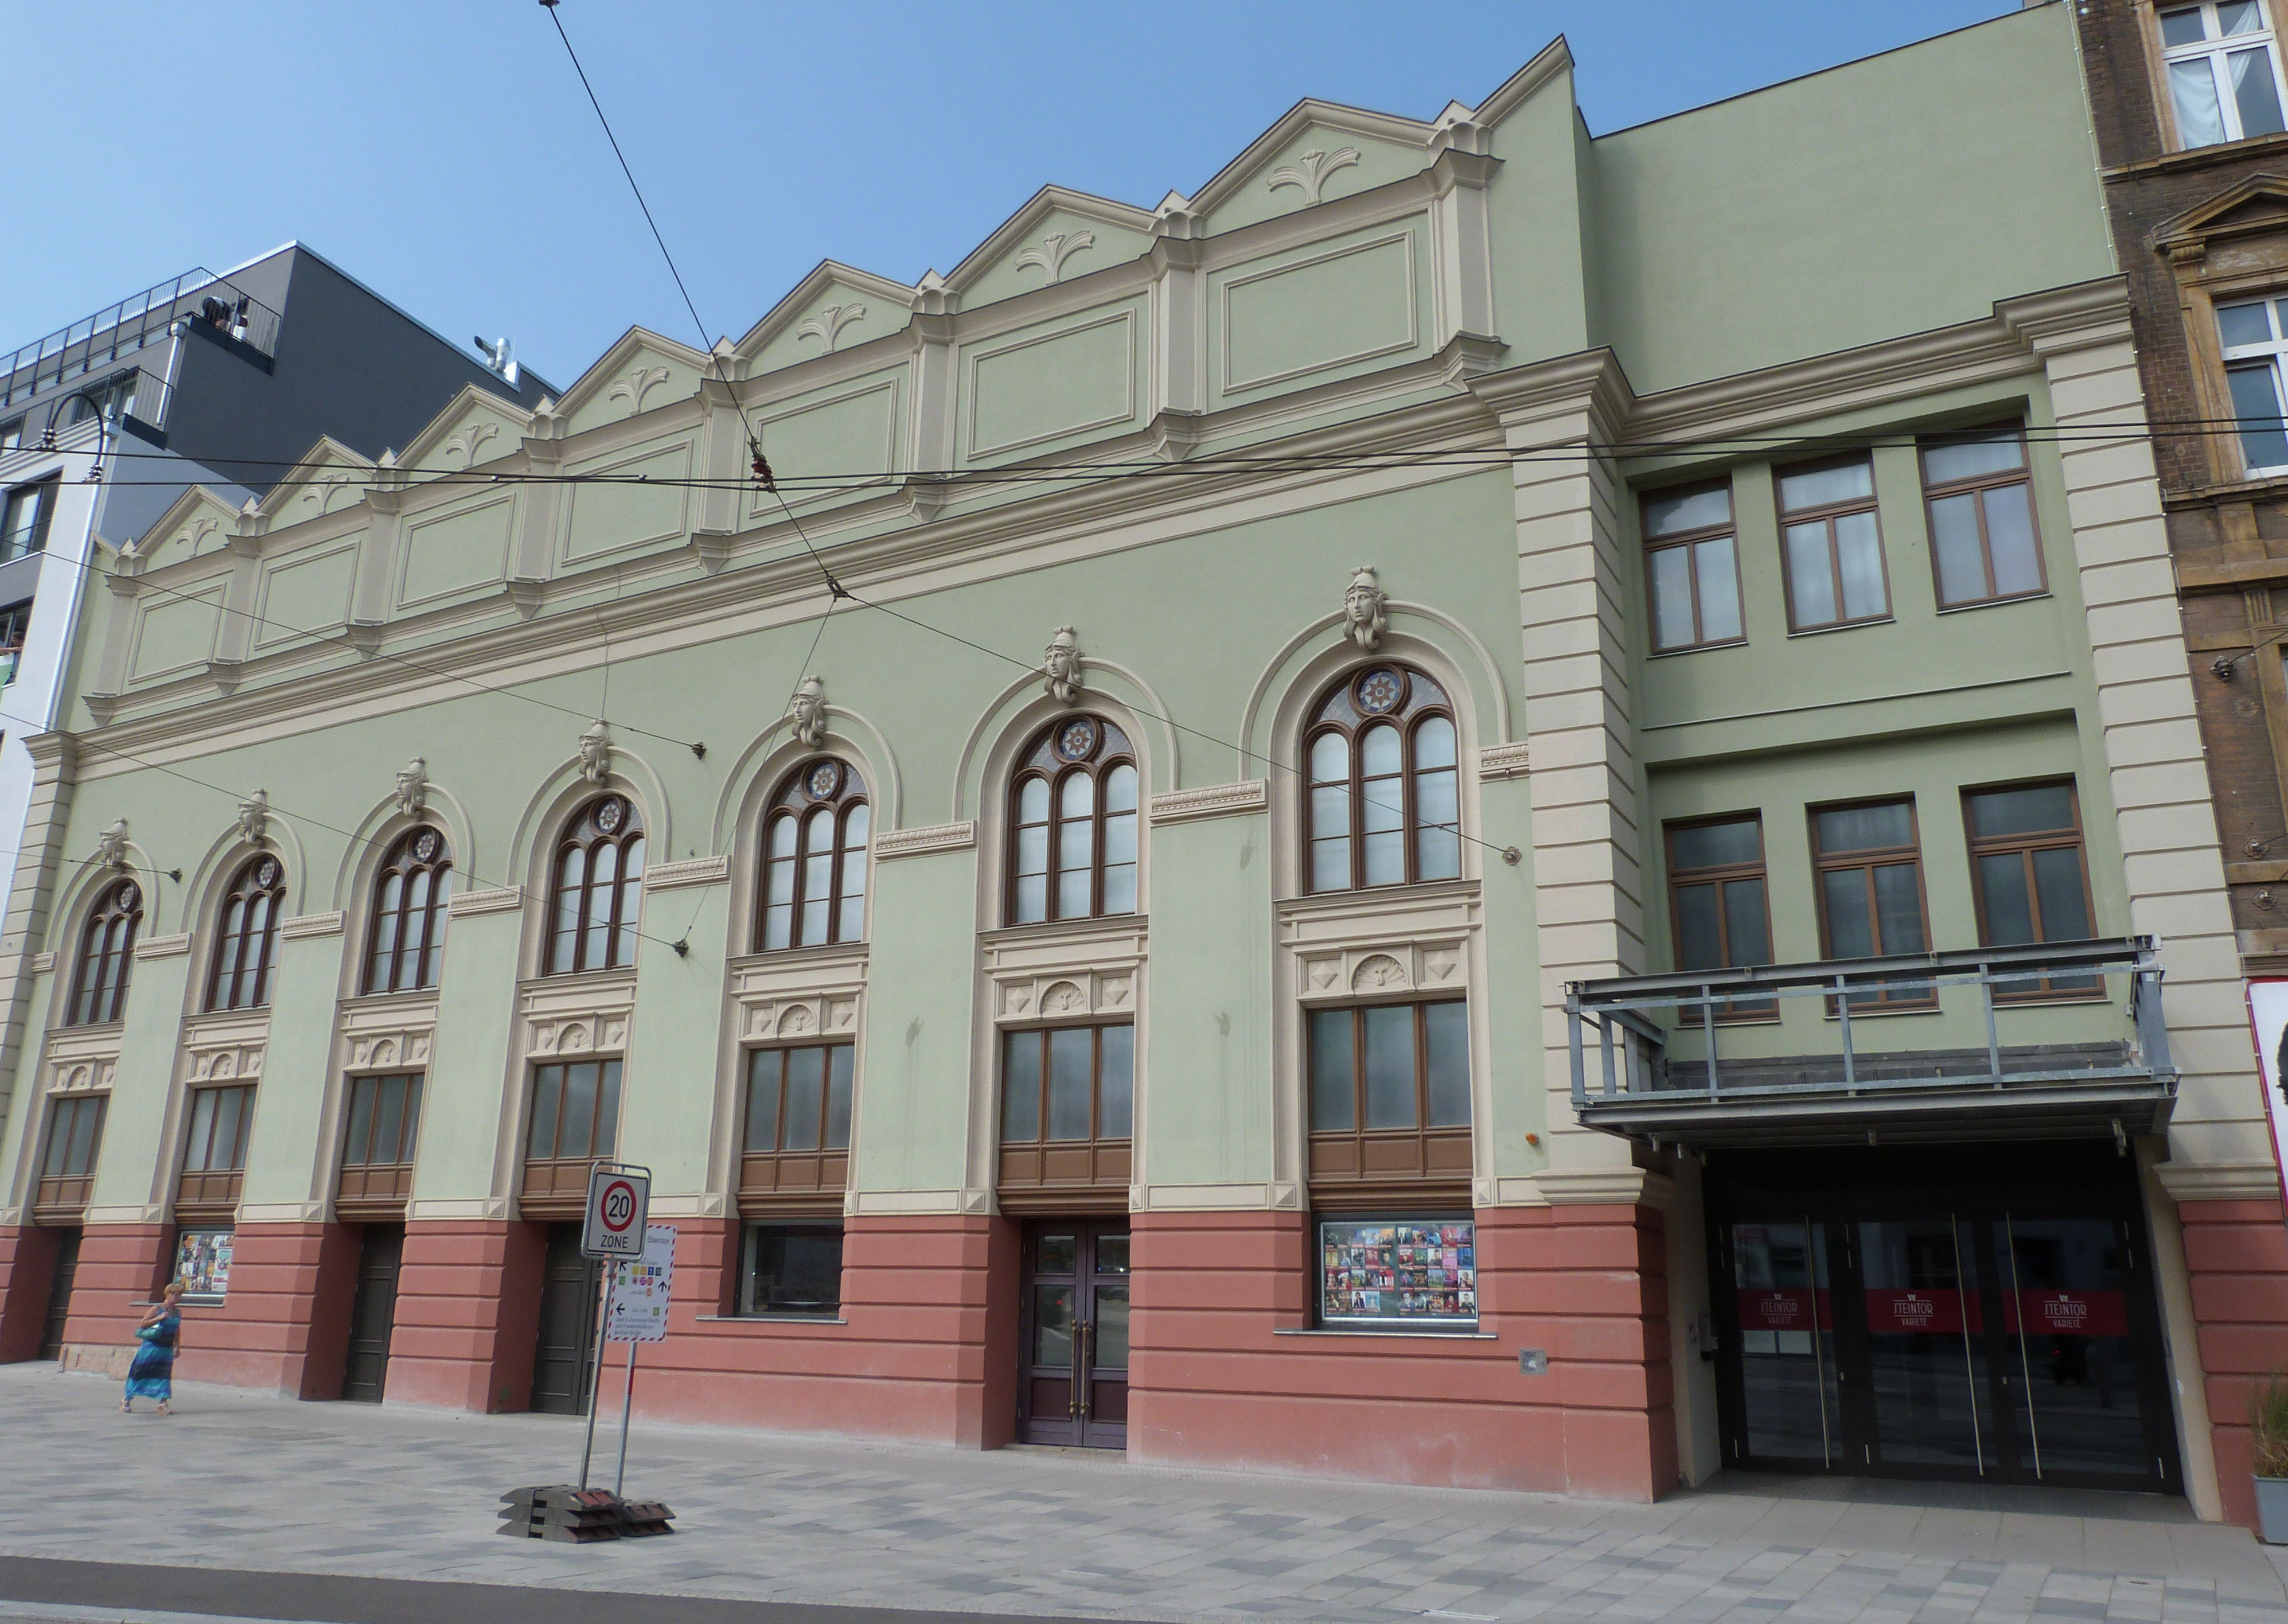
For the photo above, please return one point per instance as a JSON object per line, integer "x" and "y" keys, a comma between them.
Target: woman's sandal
{"x": 162, "y": 1407}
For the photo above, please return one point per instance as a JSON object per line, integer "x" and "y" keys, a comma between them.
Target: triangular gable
{"x": 476, "y": 427}
{"x": 1317, "y": 152}
{"x": 1553, "y": 59}
{"x": 1058, "y": 234}
{"x": 834, "y": 307}
{"x": 197, "y": 523}
{"x": 2258, "y": 204}
{"x": 327, "y": 478}
{"x": 642, "y": 372}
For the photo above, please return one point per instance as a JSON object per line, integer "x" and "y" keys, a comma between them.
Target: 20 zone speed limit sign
{"x": 618, "y": 1203}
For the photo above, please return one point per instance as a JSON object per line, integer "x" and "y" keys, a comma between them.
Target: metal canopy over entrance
{"x": 1649, "y": 1060}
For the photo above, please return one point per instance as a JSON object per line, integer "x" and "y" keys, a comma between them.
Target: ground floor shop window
{"x": 202, "y": 1263}
{"x": 793, "y": 1268}
{"x": 1408, "y": 1273}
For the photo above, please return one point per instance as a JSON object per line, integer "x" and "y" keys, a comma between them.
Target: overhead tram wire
{"x": 88, "y": 741}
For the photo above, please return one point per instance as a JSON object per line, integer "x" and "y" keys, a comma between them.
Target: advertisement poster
{"x": 202, "y": 1263}
{"x": 2267, "y": 1011}
{"x": 1409, "y": 1272}
{"x": 639, "y": 1290}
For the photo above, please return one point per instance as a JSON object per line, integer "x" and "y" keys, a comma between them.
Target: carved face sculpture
{"x": 1362, "y": 612}
{"x": 1060, "y": 664}
{"x": 411, "y": 779}
{"x": 596, "y": 754}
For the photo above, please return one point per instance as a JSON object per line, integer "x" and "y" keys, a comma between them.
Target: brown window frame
{"x": 558, "y": 1183}
{"x": 246, "y": 935}
{"x": 370, "y": 1180}
{"x": 214, "y": 1184}
{"x": 107, "y": 947}
{"x": 1044, "y": 759}
{"x": 779, "y": 1177}
{"x": 1408, "y": 716}
{"x": 59, "y": 1187}
{"x": 1975, "y": 485}
{"x": 1101, "y": 1160}
{"x": 401, "y": 865}
{"x": 2073, "y": 839}
{"x": 1721, "y": 875}
{"x": 1900, "y": 996}
{"x": 584, "y": 836}
{"x": 792, "y": 804}
{"x": 1827, "y": 513}
{"x": 1691, "y": 542}
{"x": 1376, "y": 1178}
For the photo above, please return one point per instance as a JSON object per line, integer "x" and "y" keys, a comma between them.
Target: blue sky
{"x": 441, "y": 150}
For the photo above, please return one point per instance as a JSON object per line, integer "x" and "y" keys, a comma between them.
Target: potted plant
{"x": 2267, "y": 1424}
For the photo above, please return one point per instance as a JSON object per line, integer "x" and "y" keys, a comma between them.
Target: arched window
{"x": 409, "y": 913}
{"x": 598, "y": 892}
{"x": 813, "y": 879}
{"x": 246, "y": 945}
{"x": 105, "y": 949}
{"x": 1385, "y": 804}
{"x": 1072, "y": 823}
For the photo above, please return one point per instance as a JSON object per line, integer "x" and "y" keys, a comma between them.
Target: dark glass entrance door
{"x": 59, "y": 1294}
{"x": 1073, "y": 1370}
{"x": 1993, "y": 1346}
{"x": 561, "y": 1363}
{"x": 373, "y": 1314}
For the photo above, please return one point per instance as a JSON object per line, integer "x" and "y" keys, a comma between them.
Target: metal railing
{"x": 97, "y": 342}
{"x": 1617, "y": 1019}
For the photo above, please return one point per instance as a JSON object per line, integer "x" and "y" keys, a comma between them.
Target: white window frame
{"x": 2274, "y": 353}
{"x": 2213, "y": 47}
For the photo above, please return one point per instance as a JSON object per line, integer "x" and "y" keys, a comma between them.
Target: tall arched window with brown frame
{"x": 1384, "y": 805}
{"x": 813, "y": 885}
{"x": 407, "y": 943}
{"x": 246, "y": 937}
{"x": 1072, "y": 823}
{"x": 106, "y": 950}
{"x": 597, "y": 895}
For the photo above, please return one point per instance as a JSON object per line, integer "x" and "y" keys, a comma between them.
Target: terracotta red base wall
{"x": 928, "y": 1349}
{"x": 27, "y": 1269}
{"x": 122, "y": 1266}
{"x": 2237, "y": 1254}
{"x": 284, "y": 1322}
{"x": 468, "y": 1314}
{"x": 1212, "y": 1382}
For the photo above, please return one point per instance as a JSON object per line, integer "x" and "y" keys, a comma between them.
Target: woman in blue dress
{"x": 152, "y": 1375}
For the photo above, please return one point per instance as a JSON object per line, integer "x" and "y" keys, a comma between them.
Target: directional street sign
{"x": 639, "y": 1293}
{"x": 617, "y": 1204}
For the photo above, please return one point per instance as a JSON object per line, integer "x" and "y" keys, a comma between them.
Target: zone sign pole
{"x": 619, "y": 1200}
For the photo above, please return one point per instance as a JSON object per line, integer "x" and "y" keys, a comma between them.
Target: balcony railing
{"x": 2110, "y": 1073}
{"x": 94, "y": 344}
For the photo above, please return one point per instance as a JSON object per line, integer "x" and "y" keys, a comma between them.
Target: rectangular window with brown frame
{"x": 1390, "y": 1101}
{"x": 1870, "y": 893}
{"x": 1718, "y": 904}
{"x": 1832, "y": 545}
{"x": 385, "y": 1124}
{"x": 214, "y": 1149}
{"x": 2031, "y": 877}
{"x": 796, "y": 1154}
{"x": 67, "y": 1165}
{"x": 575, "y": 1121}
{"x": 1692, "y": 568}
{"x": 1068, "y": 1115}
{"x": 1979, "y": 493}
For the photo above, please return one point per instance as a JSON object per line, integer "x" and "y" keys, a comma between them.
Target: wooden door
{"x": 59, "y": 1294}
{"x": 567, "y": 1326}
{"x": 1073, "y": 1377}
{"x": 373, "y": 1315}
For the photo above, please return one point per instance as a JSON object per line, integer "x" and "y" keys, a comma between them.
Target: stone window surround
{"x": 786, "y": 997}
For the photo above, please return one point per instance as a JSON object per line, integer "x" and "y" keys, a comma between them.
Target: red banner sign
{"x": 2067, "y": 1313}
{"x": 1783, "y": 1309}
{"x": 1933, "y": 1311}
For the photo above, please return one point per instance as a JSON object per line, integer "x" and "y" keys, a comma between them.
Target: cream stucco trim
{"x": 930, "y": 838}
{"x": 2219, "y": 1181}
{"x": 162, "y": 947}
{"x": 307, "y": 925}
{"x": 1211, "y": 800}
{"x": 495, "y": 899}
{"x": 693, "y": 872}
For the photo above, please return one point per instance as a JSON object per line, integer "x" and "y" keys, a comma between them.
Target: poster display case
{"x": 202, "y": 1265}
{"x": 1411, "y": 1273}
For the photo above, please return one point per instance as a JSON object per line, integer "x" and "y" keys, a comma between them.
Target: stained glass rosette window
{"x": 1400, "y": 1272}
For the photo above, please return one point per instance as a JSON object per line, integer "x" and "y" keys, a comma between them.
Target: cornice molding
{"x": 1505, "y": 761}
{"x": 2219, "y": 1181}
{"x": 1606, "y": 1186}
{"x": 44, "y": 964}
{"x": 693, "y": 872}
{"x": 930, "y": 838}
{"x": 163, "y": 947}
{"x": 306, "y": 925}
{"x": 1212, "y": 800}
{"x": 499, "y": 899}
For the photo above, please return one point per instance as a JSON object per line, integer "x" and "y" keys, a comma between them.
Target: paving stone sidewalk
{"x": 251, "y": 1481}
